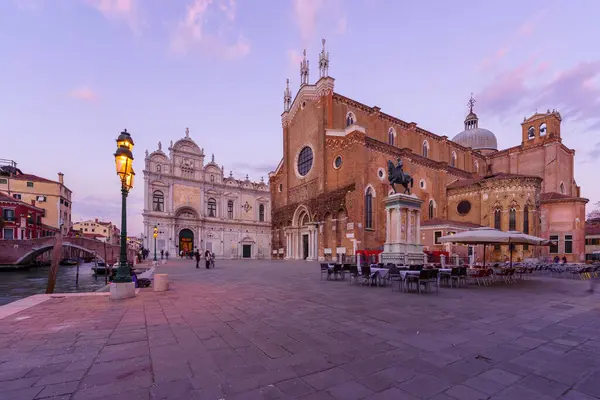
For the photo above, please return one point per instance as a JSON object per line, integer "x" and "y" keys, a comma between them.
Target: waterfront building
{"x": 105, "y": 231}
{"x": 20, "y": 221}
{"x": 328, "y": 190}
{"x": 52, "y": 196}
{"x": 196, "y": 206}
{"x": 592, "y": 239}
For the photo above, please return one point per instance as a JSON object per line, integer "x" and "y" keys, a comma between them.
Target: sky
{"x": 75, "y": 73}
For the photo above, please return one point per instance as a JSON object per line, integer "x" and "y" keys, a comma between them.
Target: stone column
{"x": 388, "y": 225}
{"x": 409, "y": 230}
{"x": 398, "y": 218}
{"x": 147, "y": 195}
{"x": 418, "y": 225}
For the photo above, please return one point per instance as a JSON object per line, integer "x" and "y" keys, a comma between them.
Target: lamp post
{"x": 124, "y": 164}
{"x": 155, "y": 234}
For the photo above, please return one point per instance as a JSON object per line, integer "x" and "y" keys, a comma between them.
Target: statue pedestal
{"x": 403, "y": 230}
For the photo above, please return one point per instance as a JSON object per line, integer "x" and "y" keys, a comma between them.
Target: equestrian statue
{"x": 397, "y": 175}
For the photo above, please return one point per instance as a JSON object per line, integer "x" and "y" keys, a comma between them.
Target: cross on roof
{"x": 471, "y": 103}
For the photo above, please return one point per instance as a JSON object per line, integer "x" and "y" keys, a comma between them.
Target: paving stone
{"x": 392, "y": 394}
{"x": 484, "y": 385}
{"x": 350, "y": 391}
{"x": 21, "y": 394}
{"x": 590, "y": 385}
{"x": 17, "y": 384}
{"x": 575, "y": 395}
{"x": 500, "y": 376}
{"x": 544, "y": 385}
{"x": 60, "y": 377}
{"x": 58, "y": 389}
{"x": 326, "y": 379}
{"x": 465, "y": 393}
{"x": 295, "y": 388}
{"x": 424, "y": 386}
{"x": 519, "y": 392}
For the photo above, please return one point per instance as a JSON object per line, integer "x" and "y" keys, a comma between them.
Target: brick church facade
{"x": 327, "y": 192}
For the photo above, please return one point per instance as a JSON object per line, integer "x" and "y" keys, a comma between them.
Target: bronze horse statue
{"x": 397, "y": 175}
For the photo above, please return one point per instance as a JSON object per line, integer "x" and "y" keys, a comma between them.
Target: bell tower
{"x": 541, "y": 128}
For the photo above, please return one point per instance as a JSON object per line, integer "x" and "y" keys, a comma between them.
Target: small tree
{"x": 595, "y": 213}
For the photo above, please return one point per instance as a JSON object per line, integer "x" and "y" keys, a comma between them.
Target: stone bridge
{"x": 22, "y": 252}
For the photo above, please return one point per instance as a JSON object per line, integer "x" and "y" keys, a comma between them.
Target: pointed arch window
{"x": 392, "y": 136}
{"x": 562, "y": 188}
{"x": 350, "y": 119}
{"x": 158, "y": 168}
{"x": 158, "y": 201}
{"x": 212, "y": 208}
{"x": 453, "y": 160}
{"x": 498, "y": 219}
{"x": 512, "y": 220}
{"x": 425, "y": 149}
{"x": 431, "y": 212}
{"x": 531, "y": 133}
{"x": 261, "y": 213}
{"x": 543, "y": 129}
{"x": 476, "y": 165}
{"x": 369, "y": 209}
{"x": 230, "y": 209}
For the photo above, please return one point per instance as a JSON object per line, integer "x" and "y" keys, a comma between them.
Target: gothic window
{"x": 512, "y": 220}
{"x": 261, "y": 213}
{"x": 158, "y": 201}
{"x": 425, "y": 149}
{"x": 531, "y": 132}
{"x": 369, "y": 209}
{"x": 212, "y": 207}
{"x": 453, "y": 160}
{"x": 350, "y": 119}
{"x": 431, "y": 209}
{"x": 158, "y": 168}
{"x": 392, "y": 136}
{"x": 526, "y": 224}
{"x": 212, "y": 178}
{"x": 498, "y": 219}
{"x": 230, "y": 209}
{"x": 543, "y": 129}
{"x": 476, "y": 165}
{"x": 562, "y": 188}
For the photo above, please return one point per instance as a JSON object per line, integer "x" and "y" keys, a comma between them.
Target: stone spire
{"x": 304, "y": 70}
{"x": 187, "y": 132}
{"x": 287, "y": 96}
{"x": 323, "y": 62}
{"x": 213, "y": 158}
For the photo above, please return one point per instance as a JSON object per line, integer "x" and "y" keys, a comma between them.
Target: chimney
{"x": 61, "y": 178}
{"x": 33, "y": 203}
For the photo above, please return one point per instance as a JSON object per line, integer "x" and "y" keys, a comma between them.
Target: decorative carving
{"x": 247, "y": 207}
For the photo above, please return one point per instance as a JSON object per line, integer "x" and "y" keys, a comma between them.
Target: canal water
{"x": 18, "y": 284}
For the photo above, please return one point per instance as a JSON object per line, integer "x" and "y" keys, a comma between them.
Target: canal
{"x": 18, "y": 284}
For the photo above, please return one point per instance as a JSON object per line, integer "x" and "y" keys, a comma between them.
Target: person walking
{"x": 207, "y": 258}
{"x": 167, "y": 254}
{"x": 162, "y": 253}
{"x": 197, "y": 259}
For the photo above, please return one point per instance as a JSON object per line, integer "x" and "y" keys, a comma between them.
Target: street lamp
{"x": 124, "y": 164}
{"x": 155, "y": 234}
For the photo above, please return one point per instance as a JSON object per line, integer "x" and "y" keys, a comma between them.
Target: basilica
{"x": 195, "y": 206}
{"x": 329, "y": 188}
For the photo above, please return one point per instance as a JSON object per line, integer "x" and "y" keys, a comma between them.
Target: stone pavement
{"x": 274, "y": 330}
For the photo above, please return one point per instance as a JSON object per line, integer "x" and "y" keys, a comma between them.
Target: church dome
{"x": 473, "y": 136}
{"x": 477, "y": 139}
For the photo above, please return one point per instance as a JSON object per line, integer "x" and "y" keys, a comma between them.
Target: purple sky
{"x": 76, "y": 72}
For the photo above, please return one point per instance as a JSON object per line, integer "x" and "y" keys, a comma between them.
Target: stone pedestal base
{"x": 120, "y": 291}
{"x": 161, "y": 282}
{"x": 403, "y": 230}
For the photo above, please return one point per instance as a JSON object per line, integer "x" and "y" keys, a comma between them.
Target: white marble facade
{"x": 195, "y": 206}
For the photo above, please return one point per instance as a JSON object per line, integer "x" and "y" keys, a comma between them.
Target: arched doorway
{"x": 186, "y": 240}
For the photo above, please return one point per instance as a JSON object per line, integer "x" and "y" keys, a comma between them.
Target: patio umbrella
{"x": 484, "y": 236}
{"x": 523, "y": 238}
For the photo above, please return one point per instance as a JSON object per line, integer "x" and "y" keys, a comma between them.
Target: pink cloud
{"x": 84, "y": 93}
{"x": 192, "y": 32}
{"x": 319, "y": 18}
{"x": 305, "y": 12}
{"x": 122, "y": 10}
{"x": 574, "y": 92}
{"x": 522, "y": 32}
